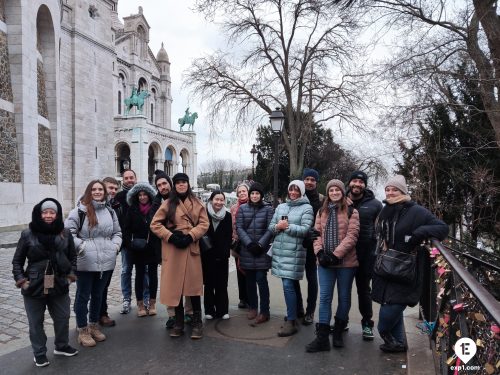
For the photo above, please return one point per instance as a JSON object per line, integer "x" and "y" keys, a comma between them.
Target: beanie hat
{"x": 359, "y": 174}
{"x": 49, "y": 204}
{"x": 300, "y": 185}
{"x": 336, "y": 183}
{"x": 256, "y": 187}
{"x": 399, "y": 182}
{"x": 180, "y": 177}
{"x": 309, "y": 172}
{"x": 160, "y": 174}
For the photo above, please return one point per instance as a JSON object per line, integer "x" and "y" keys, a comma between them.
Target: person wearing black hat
{"x": 180, "y": 222}
{"x": 368, "y": 207}
{"x": 51, "y": 255}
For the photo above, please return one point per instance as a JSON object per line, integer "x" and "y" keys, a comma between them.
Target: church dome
{"x": 162, "y": 55}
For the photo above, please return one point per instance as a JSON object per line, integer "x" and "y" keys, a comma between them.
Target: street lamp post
{"x": 253, "y": 151}
{"x": 277, "y": 119}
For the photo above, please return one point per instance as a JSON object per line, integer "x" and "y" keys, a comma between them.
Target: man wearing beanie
{"x": 311, "y": 178}
{"x": 368, "y": 208}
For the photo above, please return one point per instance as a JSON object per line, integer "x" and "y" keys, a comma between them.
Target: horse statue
{"x": 188, "y": 119}
{"x": 137, "y": 100}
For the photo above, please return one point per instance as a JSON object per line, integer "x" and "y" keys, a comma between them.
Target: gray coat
{"x": 97, "y": 247}
{"x": 252, "y": 224}
{"x": 289, "y": 256}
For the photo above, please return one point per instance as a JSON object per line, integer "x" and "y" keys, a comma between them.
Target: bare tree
{"x": 295, "y": 55}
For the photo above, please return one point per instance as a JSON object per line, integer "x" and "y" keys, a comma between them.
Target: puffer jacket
{"x": 348, "y": 229}
{"x": 97, "y": 247}
{"x": 252, "y": 225}
{"x": 289, "y": 256}
{"x": 368, "y": 207}
{"x": 29, "y": 247}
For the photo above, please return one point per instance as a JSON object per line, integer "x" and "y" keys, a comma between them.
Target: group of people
{"x": 333, "y": 239}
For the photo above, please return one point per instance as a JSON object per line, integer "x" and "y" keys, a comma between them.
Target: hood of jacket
{"x": 298, "y": 201}
{"x": 134, "y": 192}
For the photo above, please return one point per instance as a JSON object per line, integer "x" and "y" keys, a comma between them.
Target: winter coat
{"x": 153, "y": 239}
{"x": 414, "y": 220}
{"x": 221, "y": 240}
{"x": 97, "y": 247}
{"x": 289, "y": 256}
{"x": 252, "y": 225}
{"x": 348, "y": 229}
{"x": 136, "y": 225}
{"x": 368, "y": 208}
{"x": 28, "y": 247}
{"x": 181, "y": 271}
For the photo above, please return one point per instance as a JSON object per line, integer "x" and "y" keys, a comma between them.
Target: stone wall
{"x": 5, "y": 83}
{"x": 45, "y": 157}
{"x": 9, "y": 157}
{"x": 2, "y": 10}
{"x": 42, "y": 97}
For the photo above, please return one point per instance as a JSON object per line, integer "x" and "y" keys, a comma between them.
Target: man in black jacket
{"x": 368, "y": 207}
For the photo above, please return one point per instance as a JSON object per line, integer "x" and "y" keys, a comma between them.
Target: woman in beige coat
{"x": 180, "y": 222}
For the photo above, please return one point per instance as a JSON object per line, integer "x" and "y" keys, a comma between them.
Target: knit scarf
{"x": 217, "y": 217}
{"x": 331, "y": 239}
{"x": 144, "y": 208}
{"x": 240, "y": 202}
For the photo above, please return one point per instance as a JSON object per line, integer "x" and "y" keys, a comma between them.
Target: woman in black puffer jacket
{"x": 51, "y": 255}
{"x": 136, "y": 229}
{"x": 252, "y": 222}
{"x": 401, "y": 225}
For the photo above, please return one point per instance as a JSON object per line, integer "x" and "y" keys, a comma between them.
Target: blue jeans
{"x": 258, "y": 278}
{"x": 327, "y": 279}
{"x": 126, "y": 277}
{"x": 89, "y": 286}
{"x": 390, "y": 320}
{"x": 290, "y": 298}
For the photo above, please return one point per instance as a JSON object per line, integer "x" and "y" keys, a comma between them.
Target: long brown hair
{"x": 87, "y": 201}
{"x": 326, "y": 202}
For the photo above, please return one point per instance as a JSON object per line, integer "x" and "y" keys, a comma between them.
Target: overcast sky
{"x": 186, "y": 36}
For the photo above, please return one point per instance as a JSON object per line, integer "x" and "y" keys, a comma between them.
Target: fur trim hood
{"x": 140, "y": 186}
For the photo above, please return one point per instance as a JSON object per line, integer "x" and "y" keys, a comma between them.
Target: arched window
{"x": 119, "y": 102}
{"x": 152, "y": 112}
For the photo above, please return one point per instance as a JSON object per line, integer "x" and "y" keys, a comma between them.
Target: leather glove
{"x": 185, "y": 241}
{"x": 327, "y": 260}
{"x": 175, "y": 238}
{"x": 255, "y": 249}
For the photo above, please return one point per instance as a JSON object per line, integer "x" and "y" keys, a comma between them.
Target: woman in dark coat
{"x": 401, "y": 225}
{"x": 136, "y": 230}
{"x": 252, "y": 222}
{"x": 215, "y": 262}
{"x": 51, "y": 255}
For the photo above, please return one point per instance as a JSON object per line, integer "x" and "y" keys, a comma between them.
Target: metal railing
{"x": 456, "y": 304}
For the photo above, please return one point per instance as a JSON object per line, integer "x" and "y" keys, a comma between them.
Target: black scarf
{"x": 387, "y": 220}
{"x": 314, "y": 201}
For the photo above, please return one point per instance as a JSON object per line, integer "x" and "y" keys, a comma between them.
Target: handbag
{"x": 139, "y": 244}
{"x": 396, "y": 266}
{"x": 205, "y": 244}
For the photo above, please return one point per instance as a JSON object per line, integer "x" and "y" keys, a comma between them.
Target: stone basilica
{"x": 66, "y": 68}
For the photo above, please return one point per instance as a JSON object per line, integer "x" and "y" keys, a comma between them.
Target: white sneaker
{"x": 125, "y": 307}
{"x": 225, "y": 316}
{"x": 208, "y": 317}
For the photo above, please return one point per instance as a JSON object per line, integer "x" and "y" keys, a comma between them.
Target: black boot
{"x": 178, "y": 329}
{"x": 338, "y": 329}
{"x": 197, "y": 324}
{"x": 321, "y": 343}
{"x": 391, "y": 345}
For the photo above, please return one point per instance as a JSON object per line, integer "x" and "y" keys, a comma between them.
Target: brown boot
{"x": 106, "y": 321}
{"x": 197, "y": 324}
{"x": 178, "y": 329}
{"x": 261, "y": 318}
{"x": 84, "y": 337}
{"x": 288, "y": 329}
{"x": 96, "y": 334}
{"x": 152, "y": 307}
{"x": 141, "y": 309}
{"x": 252, "y": 314}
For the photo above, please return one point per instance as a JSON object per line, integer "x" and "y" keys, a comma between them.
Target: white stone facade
{"x": 91, "y": 62}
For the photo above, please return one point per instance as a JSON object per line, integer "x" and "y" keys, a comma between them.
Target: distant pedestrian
{"x": 216, "y": 260}
{"x": 252, "y": 224}
{"x": 242, "y": 194}
{"x": 290, "y": 224}
{"x": 98, "y": 238}
{"x": 44, "y": 283}
{"x": 180, "y": 222}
